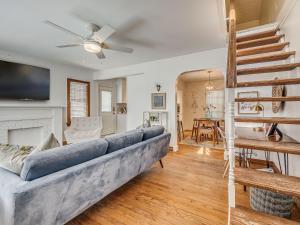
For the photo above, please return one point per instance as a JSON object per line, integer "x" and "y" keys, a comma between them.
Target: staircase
{"x": 246, "y": 51}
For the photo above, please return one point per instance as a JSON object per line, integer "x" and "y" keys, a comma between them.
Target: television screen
{"x": 24, "y": 82}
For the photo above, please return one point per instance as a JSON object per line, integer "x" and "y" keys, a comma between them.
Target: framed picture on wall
{"x": 247, "y": 107}
{"x": 158, "y": 100}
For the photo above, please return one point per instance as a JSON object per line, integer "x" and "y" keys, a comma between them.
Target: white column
{"x": 230, "y": 96}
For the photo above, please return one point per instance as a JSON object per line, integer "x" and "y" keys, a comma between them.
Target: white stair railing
{"x": 231, "y": 84}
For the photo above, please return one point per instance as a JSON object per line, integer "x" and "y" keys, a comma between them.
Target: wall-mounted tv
{"x": 24, "y": 82}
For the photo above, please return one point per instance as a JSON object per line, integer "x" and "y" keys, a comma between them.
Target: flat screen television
{"x": 23, "y": 82}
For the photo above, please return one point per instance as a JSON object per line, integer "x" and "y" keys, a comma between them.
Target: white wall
{"x": 291, "y": 29}
{"x": 141, "y": 80}
{"x": 58, "y": 81}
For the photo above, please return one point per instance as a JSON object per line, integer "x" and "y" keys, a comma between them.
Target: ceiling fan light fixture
{"x": 92, "y": 46}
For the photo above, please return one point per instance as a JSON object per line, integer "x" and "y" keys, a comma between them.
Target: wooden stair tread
{"x": 278, "y": 183}
{"x": 269, "y": 99}
{"x": 280, "y": 120}
{"x": 268, "y": 69}
{"x": 257, "y": 35}
{"x": 243, "y": 216}
{"x": 258, "y": 42}
{"x": 261, "y": 49}
{"x": 283, "y": 147}
{"x": 288, "y": 81}
{"x": 265, "y": 58}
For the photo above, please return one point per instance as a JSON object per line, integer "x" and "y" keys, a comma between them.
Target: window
{"x": 106, "y": 103}
{"x": 78, "y": 99}
{"x": 215, "y": 98}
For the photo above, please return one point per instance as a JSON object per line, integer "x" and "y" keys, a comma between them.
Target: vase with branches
{"x": 208, "y": 109}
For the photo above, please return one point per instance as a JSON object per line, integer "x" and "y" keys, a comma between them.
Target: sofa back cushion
{"x": 123, "y": 140}
{"x": 151, "y": 132}
{"x": 50, "y": 161}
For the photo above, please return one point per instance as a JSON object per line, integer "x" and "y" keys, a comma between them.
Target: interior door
{"x": 107, "y": 109}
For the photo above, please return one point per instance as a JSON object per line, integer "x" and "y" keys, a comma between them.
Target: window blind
{"x": 78, "y": 99}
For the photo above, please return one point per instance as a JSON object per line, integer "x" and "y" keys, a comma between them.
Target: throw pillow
{"x": 12, "y": 156}
{"x": 50, "y": 142}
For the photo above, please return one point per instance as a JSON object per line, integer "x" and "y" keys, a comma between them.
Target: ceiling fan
{"x": 94, "y": 42}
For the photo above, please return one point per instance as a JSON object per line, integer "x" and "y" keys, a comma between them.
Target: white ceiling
{"x": 201, "y": 75}
{"x": 155, "y": 29}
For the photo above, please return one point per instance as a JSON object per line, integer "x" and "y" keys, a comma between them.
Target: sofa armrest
{"x": 9, "y": 182}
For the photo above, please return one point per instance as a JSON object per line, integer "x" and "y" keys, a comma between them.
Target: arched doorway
{"x": 200, "y": 107}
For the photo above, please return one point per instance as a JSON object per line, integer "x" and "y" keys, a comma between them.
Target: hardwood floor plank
{"x": 268, "y": 69}
{"x": 265, "y": 58}
{"x": 269, "y": 99}
{"x": 283, "y": 147}
{"x": 189, "y": 190}
{"x": 289, "y": 81}
{"x": 273, "y": 182}
{"x": 243, "y": 216}
{"x": 281, "y": 120}
{"x": 262, "y": 49}
{"x": 257, "y": 35}
{"x": 259, "y": 42}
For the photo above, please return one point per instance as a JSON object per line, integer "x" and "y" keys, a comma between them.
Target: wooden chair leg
{"x": 182, "y": 129}
{"x": 161, "y": 163}
{"x": 226, "y": 168}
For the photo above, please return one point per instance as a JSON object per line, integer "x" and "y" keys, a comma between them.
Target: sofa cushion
{"x": 56, "y": 159}
{"x": 151, "y": 132}
{"x": 12, "y": 157}
{"x": 123, "y": 140}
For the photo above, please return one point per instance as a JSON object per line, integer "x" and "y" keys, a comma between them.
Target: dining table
{"x": 216, "y": 123}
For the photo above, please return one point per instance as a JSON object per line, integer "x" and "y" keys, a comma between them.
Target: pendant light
{"x": 209, "y": 87}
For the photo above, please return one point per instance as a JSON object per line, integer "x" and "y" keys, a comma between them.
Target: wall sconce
{"x": 158, "y": 86}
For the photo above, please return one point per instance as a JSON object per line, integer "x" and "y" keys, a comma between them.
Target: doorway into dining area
{"x": 200, "y": 108}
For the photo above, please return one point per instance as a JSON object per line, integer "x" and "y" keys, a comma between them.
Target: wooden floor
{"x": 188, "y": 190}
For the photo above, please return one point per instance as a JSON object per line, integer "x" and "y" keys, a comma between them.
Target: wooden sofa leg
{"x": 161, "y": 163}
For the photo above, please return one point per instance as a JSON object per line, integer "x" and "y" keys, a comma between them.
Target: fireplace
{"x": 29, "y": 125}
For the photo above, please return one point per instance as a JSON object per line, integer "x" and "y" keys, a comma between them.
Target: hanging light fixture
{"x": 209, "y": 87}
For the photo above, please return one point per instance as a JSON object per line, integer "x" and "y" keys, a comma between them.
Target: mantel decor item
{"x": 155, "y": 118}
{"x": 158, "y": 86}
{"x": 277, "y": 91}
{"x": 248, "y": 107}
{"x": 158, "y": 100}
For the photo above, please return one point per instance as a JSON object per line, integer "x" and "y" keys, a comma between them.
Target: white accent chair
{"x": 83, "y": 129}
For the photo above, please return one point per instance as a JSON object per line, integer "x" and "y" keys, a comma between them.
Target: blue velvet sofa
{"x": 58, "y": 184}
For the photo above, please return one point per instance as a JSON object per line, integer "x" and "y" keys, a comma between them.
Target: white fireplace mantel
{"x": 36, "y": 122}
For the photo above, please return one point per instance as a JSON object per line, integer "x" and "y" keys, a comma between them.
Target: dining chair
{"x": 180, "y": 131}
{"x": 195, "y": 129}
{"x": 206, "y": 131}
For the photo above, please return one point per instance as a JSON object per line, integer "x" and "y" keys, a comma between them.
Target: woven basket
{"x": 271, "y": 202}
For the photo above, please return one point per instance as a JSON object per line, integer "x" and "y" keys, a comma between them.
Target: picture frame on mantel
{"x": 248, "y": 107}
{"x": 158, "y": 101}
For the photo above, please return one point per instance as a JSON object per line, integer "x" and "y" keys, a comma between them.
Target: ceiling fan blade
{"x": 67, "y": 46}
{"x": 101, "y": 55}
{"x": 117, "y": 48}
{"x": 63, "y": 29}
{"x": 104, "y": 33}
